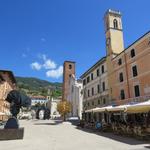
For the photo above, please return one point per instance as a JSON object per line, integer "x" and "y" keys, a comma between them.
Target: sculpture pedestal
{"x": 11, "y": 134}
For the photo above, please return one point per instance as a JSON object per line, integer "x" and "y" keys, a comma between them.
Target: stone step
{"x": 11, "y": 134}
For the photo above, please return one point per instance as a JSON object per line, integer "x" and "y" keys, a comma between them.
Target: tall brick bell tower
{"x": 68, "y": 70}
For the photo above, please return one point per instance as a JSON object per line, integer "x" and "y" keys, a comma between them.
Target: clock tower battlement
{"x": 114, "y": 33}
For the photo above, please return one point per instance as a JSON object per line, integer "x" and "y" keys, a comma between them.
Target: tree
{"x": 63, "y": 108}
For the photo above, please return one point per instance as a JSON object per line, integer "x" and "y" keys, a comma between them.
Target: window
{"x": 70, "y": 75}
{"x": 119, "y": 61}
{"x": 115, "y": 24}
{"x": 88, "y": 93}
{"x": 84, "y": 82}
{"x": 92, "y": 91}
{"x": 70, "y": 66}
{"x": 103, "y": 86}
{"x": 88, "y": 104}
{"x": 91, "y": 76}
{"x": 98, "y": 88}
{"x": 98, "y": 102}
{"x": 102, "y": 69}
{"x": 88, "y": 79}
{"x": 134, "y": 71}
{"x": 97, "y": 72}
{"x": 122, "y": 94}
{"x": 137, "y": 90}
{"x": 132, "y": 53}
{"x": 121, "y": 77}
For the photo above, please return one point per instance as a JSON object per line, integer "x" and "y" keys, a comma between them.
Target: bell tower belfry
{"x": 114, "y": 33}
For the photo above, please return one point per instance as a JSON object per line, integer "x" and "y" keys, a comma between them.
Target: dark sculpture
{"x": 16, "y": 100}
{"x": 46, "y": 113}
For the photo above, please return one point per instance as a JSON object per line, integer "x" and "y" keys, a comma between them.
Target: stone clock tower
{"x": 114, "y": 42}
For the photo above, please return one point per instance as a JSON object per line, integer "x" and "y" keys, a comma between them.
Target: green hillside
{"x": 35, "y": 86}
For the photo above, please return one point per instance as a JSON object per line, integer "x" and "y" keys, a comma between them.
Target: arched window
{"x": 115, "y": 24}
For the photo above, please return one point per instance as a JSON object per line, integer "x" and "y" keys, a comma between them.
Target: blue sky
{"x": 37, "y": 36}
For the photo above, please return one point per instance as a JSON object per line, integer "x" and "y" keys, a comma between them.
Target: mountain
{"x": 35, "y": 86}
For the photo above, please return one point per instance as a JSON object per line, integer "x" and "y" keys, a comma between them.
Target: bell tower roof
{"x": 113, "y": 12}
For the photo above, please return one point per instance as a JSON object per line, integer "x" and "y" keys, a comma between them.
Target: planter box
{"x": 11, "y": 134}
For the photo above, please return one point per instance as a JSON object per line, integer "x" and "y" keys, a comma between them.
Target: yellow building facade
{"x": 128, "y": 69}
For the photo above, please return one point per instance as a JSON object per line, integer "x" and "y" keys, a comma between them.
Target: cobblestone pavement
{"x": 54, "y": 135}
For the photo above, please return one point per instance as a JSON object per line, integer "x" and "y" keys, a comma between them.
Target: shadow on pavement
{"x": 74, "y": 122}
{"x": 147, "y": 147}
{"x": 122, "y": 139}
{"x": 56, "y": 122}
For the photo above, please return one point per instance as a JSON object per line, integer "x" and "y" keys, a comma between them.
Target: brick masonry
{"x": 68, "y": 70}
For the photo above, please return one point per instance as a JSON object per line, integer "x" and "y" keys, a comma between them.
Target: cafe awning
{"x": 117, "y": 108}
{"x": 98, "y": 109}
{"x": 102, "y": 109}
{"x": 133, "y": 108}
{"x": 92, "y": 110}
{"x": 139, "y": 108}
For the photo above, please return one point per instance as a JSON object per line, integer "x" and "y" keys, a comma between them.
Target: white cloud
{"x": 36, "y": 66}
{"x": 55, "y": 73}
{"x": 49, "y": 64}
